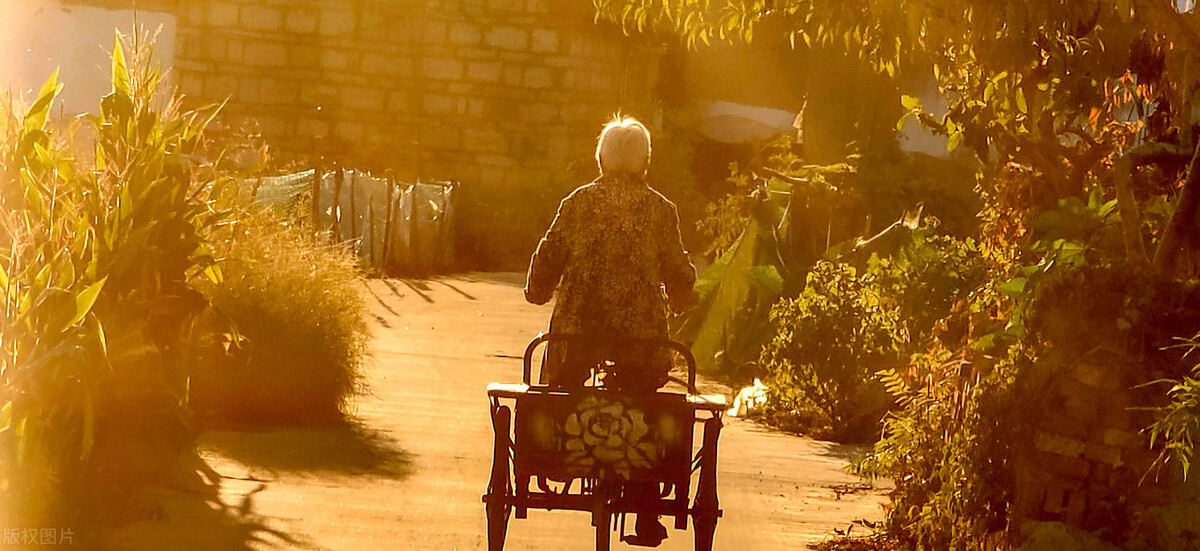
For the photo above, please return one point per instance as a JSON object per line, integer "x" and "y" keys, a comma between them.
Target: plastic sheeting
{"x": 394, "y": 226}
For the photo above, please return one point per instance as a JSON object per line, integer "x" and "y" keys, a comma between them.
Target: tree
{"x": 1068, "y": 89}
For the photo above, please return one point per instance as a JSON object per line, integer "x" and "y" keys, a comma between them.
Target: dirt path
{"x": 409, "y": 473}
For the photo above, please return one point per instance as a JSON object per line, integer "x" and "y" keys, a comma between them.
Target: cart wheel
{"x": 706, "y": 508}
{"x": 603, "y": 522}
{"x": 500, "y": 492}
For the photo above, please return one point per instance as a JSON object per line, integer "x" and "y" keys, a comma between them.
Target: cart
{"x": 586, "y": 449}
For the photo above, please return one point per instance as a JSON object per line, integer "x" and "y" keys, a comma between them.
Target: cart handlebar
{"x": 663, "y": 343}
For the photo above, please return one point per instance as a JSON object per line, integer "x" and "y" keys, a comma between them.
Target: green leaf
{"x": 213, "y": 273}
{"x": 910, "y": 102}
{"x": 1013, "y": 287}
{"x": 39, "y": 112}
{"x": 956, "y": 139}
{"x": 85, "y": 300}
{"x": 1021, "y": 105}
{"x": 6, "y": 416}
{"x": 768, "y": 278}
{"x": 120, "y": 73}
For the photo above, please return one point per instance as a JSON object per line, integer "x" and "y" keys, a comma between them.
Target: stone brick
{"x": 560, "y": 61}
{"x": 497, "y": 160}
{"x": 261, "y": 18}
{"x": 334, "y": 59}
{"x": 486, "y": 71}
{"x": 435, "y": 104}
{"x": 305, "y": 55}
{"x": 219, "y": 87}
{"x": 214, "y": 48}
{"x": 366, "y": 99}
{"x": 539, "y": 113}
{"x": 434, "y": 32}
{"x": 191, "y": 84}
{"x": 318, "y": 95}
{"x": 506, "y": 5}
{"x": 1059, "y": 445}
{"x": 337, "y": 22}
{"x": 476, "y": 107}
{"x": 440, "y": 136}
{"x": 1120, "y": 438}
{"x": 248, "y": 89}
{"x": 1103, "y": 453}
{"x": 195, "y": 14}
{"x": 313, "y": 127}
{"x": 442, "y": 68}
{"x": 301, "y": 21}
{"x": 264, "y": 54}
{"x": 545, "y": 41}
{"x": 492, "y": 175}
{"x": 399, "y": 102}
{"x": 520, "y": 58}
{"x": 464, "y": 34}
{"x": 349, "y": 131}
{"x": 537, "y": 77}
{"x": 223, "y": 14}
{"x": 508, "y": 38}
{"x": 512, "y": 76}
{"x": 234, "y": 51}
{"x": 279, "y": 92}
{"x": 481, "y": 139}
{"x": 383, "y": 64}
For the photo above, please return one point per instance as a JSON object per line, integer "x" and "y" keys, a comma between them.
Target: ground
{"x": 408, "y": 471}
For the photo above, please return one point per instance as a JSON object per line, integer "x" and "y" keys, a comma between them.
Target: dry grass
{"x": 299, "y": 305}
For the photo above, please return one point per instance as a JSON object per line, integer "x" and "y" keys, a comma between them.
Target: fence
{"x": 395, "y": 227}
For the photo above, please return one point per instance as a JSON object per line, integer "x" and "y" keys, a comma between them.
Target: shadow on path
{"x": 347, "y": 448}
{"x": 191, "y": 515}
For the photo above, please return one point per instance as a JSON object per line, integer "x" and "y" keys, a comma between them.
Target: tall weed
{"x": 299, "y": 306}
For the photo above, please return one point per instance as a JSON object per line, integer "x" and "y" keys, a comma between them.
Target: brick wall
{"x": 1085, "y": 462}
{"x": 504, "y": 96}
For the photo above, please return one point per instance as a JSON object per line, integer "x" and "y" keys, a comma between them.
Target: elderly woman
{"x": 615, "y": 257}
{"x": 611, "y": 252}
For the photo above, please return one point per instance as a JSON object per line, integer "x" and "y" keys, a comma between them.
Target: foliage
{"x": 947, "y": 449}
{"x": 300, "y": 307}
{"x": 847, "y": 325}
{"x": 828, "y": 342}
{"x": 97, "y": 264}
{"x": 1080, "y": 118}
{"x": 1177, "y": 424}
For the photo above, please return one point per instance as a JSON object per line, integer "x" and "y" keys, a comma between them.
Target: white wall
{"x": 38, "y": 35}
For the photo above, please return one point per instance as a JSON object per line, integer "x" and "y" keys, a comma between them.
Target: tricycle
{"x": 592, "y": 448}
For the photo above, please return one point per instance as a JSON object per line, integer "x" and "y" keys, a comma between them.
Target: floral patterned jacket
{"x": 615, "y": 256}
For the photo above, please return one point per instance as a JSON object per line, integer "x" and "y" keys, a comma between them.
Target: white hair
{"x": 624, "y": 146}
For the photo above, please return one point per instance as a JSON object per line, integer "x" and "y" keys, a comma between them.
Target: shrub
{"x": 947, "y": 450}
{"x": 828, "y": 342}
{"x": 300, "y": 308}
{"x": 847, "y": 325}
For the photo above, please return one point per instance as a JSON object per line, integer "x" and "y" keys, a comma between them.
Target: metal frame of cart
{"x": 584, "y": 450}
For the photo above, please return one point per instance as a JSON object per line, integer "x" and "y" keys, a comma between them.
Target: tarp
{"x": 737, "y": 123}
{"x": 412, "y": 234}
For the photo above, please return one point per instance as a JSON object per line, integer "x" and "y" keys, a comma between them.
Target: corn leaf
{"x": 39, "y": 112}
{"x": 85, "y": 300}
{"x": 6, "y": 416}
{"x": 120, "y": 73}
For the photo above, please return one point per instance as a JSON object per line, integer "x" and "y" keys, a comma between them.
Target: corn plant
{"x": 96, "y": 265}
